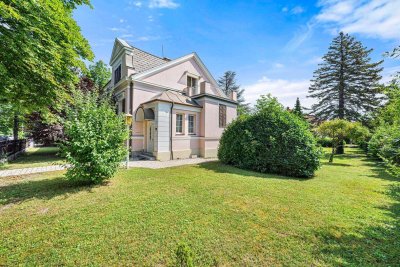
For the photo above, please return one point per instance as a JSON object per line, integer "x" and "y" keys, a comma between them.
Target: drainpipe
{"x": 170, "y": 133}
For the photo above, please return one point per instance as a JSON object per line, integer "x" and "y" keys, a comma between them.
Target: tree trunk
{"x": 332, "y": 154}
{"x": 340, "y": 148}
{"x": 15, "y": 127}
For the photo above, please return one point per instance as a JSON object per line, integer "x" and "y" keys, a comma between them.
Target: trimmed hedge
{"x": 272, "y": 141}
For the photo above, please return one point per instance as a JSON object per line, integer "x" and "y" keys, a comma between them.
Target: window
{"x": 222, "y": 116}
{"x": 179, "y": 123}
{"x": 117, "y": 74}
{"x": 192, "y": 84}
{"x": 191, "y": 124}
{"x": 123, "y": 106}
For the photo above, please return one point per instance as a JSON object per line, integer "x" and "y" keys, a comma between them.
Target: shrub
{"x": 184, "y": 256}
{"x": 271, "y": 140}
{"x": 385, "y": 144}
{"x": 324, "y": 141}
{"x": 95, "y": 138}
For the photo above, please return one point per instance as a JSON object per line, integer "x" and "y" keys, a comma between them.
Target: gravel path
{"x": 17, "y": 172}
{"x": 138, "y": 164}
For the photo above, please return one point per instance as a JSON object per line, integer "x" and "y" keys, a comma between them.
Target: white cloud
{"x": 117, "y": 29}
{"x": 303, "y": 34}
{"x": 147, "y": 38}
{"x": 279, "y": 65}
{"x": 163, "y": 4}
{"x": 122, "y": 20}
{"x": 286, "y": 91}
{"x": 297, "y": 10}
{"x": 150, "y": 18}
{"x": 126, "y": 35}
{"x": 372, "y": 18}
{"x": 137, "y": 4}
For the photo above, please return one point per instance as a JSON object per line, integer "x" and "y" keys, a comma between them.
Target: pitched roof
{"x": 174, "y": 97}
{"x": 142, "y": 60}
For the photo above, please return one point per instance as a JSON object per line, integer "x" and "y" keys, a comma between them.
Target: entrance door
{"x": 150, "y": 136}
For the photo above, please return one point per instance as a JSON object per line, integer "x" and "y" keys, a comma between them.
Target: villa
{"x": 178, "y": 109}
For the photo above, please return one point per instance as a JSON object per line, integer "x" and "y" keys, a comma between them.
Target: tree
{"x": 339, "y": 130}
{"x": 100, "y": 74}
{"x": 95, "y": 136}
{"x": 41, "y": 50}
{"x": 346, "y": 83}
{"x": 228, "y": 84}
{"x": 297, "y": 108}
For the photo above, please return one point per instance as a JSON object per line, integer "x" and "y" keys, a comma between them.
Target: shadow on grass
{"x": 40, "y": 189}
{"x": 377, "y": 245}
{"x": 219, "y": 167}
{"x": 336, "y": 164}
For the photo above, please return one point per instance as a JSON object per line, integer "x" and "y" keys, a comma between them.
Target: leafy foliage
{"x": 385, "y": 142}
{"x": 184, "y": 256}
{"x": 324, "y": 141}
{"x": 95, "y": 139}
{"x": 346, "y": 83}
{"x": 272, "y": 140}
{"x": 228, "y": 84}
{"x": 41, "y": 50}
{"x": 99, "y": 73}
{"x": 42, "y": 132}
{"x": 339, "y": 130}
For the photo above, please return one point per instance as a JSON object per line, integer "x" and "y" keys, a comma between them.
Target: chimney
{"x": 233, "y": 95}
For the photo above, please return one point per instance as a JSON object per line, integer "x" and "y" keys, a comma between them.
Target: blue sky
{"x": 274, "y": 46}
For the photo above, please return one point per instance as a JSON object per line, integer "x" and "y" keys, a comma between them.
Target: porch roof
{"x": 176, "y": 98}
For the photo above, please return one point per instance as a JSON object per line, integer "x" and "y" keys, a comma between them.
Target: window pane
{"x": 179, "y": 123}
{"x": 191, "y": 124}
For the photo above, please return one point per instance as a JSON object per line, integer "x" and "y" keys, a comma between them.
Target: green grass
{"x": 34, "y": 157}
{"x": 348, "y": 214}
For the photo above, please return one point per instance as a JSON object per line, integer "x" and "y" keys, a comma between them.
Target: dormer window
{"x": 117, "y": 74}
{"x": 192, "y": 85}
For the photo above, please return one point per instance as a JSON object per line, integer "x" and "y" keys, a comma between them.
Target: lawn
{"x": 34, "y": 157}
{"x": 348, "y": 214}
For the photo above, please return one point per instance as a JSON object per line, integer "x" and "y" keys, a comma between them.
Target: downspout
{"x": 170, "y": 132}
{"x": 130, "y": 110}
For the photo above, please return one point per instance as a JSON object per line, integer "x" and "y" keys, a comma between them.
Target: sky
{"x": 273, "y": 46}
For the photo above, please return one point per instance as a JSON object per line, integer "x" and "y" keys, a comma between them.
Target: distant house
{"x": 178, "y": 109}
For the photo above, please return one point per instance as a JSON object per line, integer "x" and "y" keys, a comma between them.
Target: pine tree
{"x": 297, "y": 108}
{"x": 228, "y": 84}
{"x": 346, "y": 83}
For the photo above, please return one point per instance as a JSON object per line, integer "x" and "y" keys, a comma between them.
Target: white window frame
{"x": 182, "y": 124}
{"x": 194, "y": 124}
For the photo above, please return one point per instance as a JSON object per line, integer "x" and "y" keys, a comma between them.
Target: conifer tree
{"x": 346, "y": 84}
{"x": 297, "y": 108}
{"x": 228, "y": 83}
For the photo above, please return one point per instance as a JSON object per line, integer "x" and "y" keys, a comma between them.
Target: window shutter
{"x": 222, "y": 116}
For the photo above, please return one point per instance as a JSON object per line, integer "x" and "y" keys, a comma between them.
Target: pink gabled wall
{"x": 175, "y": 77}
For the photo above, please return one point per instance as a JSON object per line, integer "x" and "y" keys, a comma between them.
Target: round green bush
{"x": 271, "y": 141}
{"x": 324, "y": 141}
